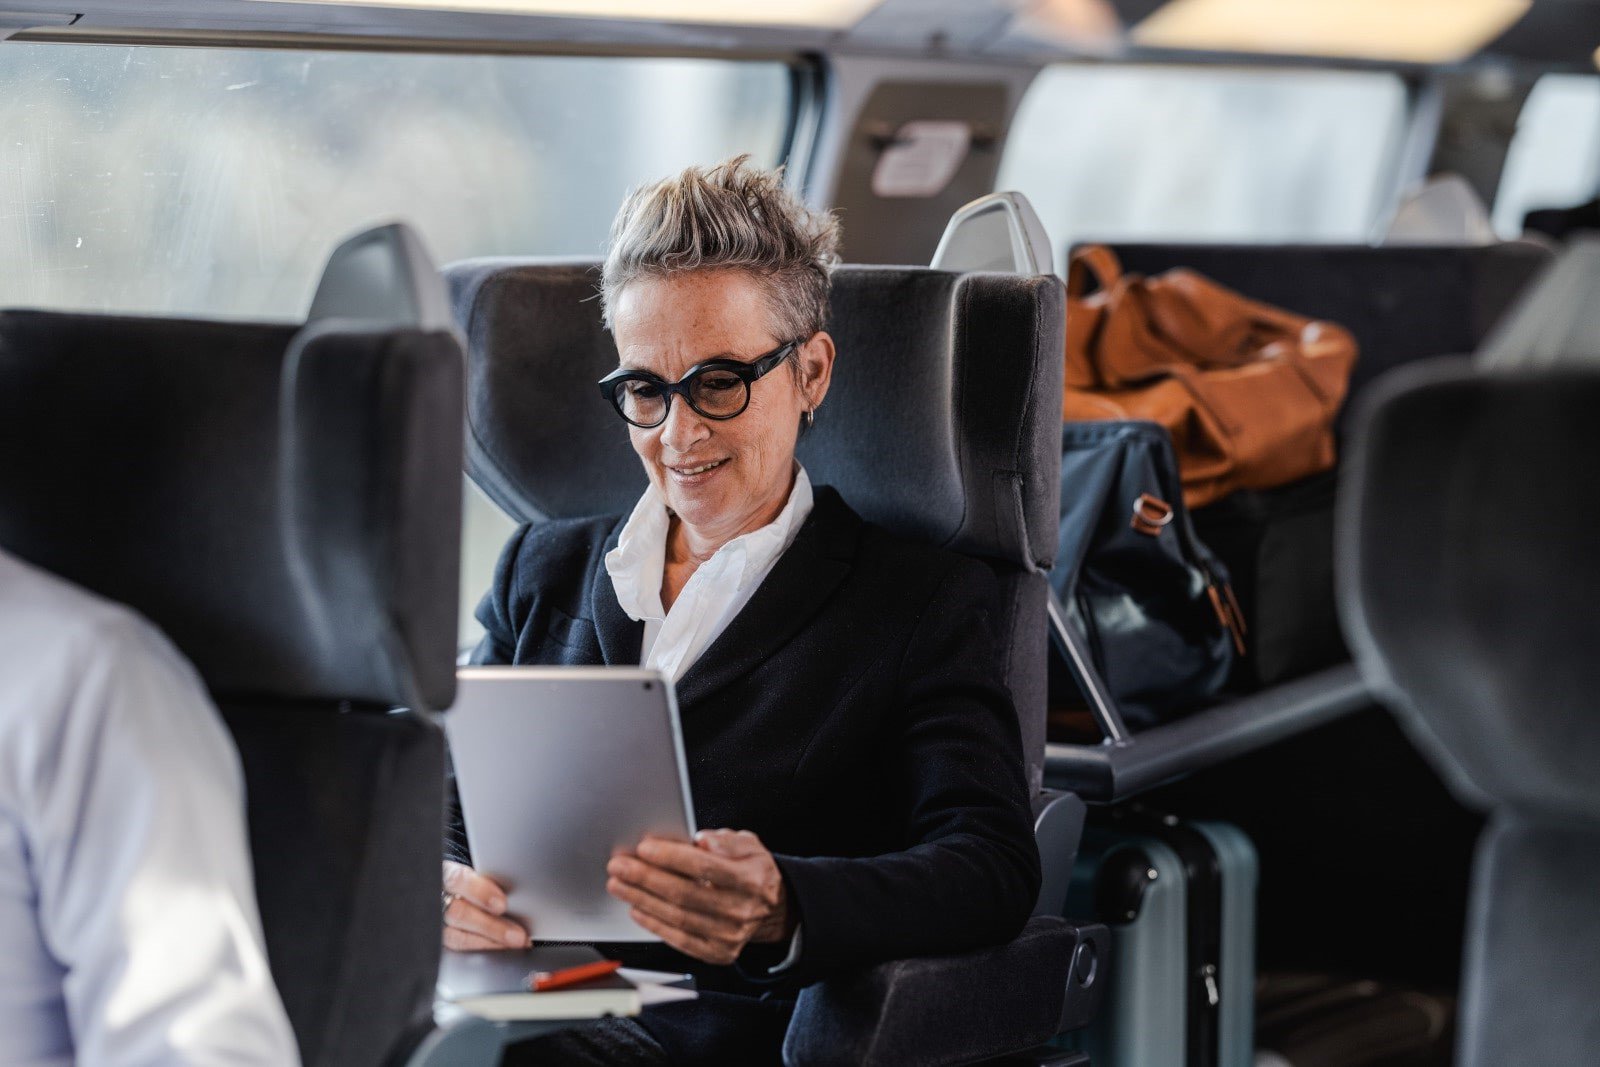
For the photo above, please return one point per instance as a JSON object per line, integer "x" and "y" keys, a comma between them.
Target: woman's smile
{"x": 695, "y": 473}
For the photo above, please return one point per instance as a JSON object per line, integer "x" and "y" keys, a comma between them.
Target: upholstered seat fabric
{"x": 285, "y": 505}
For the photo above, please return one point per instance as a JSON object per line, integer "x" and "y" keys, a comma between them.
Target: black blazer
{"x": 852, "y": 715}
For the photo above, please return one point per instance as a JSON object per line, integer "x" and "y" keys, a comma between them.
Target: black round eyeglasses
{"x": 716, "y": 389}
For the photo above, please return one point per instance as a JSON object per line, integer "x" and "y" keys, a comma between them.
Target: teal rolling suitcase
{"x": 1179, "y": 899}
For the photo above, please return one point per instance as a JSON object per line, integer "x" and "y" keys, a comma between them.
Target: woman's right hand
{"x": 474, "y": 918}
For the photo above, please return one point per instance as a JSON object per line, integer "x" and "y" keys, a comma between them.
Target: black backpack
{"x": 1149, "y": 613}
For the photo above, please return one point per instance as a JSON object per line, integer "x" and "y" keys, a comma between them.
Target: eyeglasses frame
{"x": 749, "y": 372}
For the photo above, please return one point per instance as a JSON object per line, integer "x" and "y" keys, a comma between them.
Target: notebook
{"x": 494, "y": 985}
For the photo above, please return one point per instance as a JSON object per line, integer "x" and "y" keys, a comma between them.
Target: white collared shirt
{"x": 716, "y": 592}
{"x": 128, "y": 924}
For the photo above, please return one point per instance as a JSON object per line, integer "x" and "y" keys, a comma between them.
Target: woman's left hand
{"x": 708, "y": 899}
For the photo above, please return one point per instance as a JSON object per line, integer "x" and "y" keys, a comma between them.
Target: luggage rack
{"x": 1126, "y": 764}
{"x": 1464, "y": 290}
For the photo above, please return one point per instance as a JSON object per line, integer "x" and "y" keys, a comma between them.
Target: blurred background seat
{"x": 284, "y": 502}
{"x": 1467, "y": 527}
{"x": 1442, "y": 209}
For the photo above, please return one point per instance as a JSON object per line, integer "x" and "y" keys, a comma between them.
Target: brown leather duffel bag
{"x": 1248, "y": 391}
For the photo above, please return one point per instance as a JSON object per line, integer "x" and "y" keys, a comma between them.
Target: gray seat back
{"x": 1471, "y": 571}
{"x": 942, "y": 422}
{"x": 285, "y": 505}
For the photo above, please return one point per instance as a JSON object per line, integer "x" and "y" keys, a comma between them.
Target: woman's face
{"x": 722, "y": 478}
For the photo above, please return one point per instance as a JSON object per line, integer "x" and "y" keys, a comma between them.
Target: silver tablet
{"x": 558, "y": 768}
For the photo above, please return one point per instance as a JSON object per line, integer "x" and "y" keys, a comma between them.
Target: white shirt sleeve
{"x": 139, "y": 847}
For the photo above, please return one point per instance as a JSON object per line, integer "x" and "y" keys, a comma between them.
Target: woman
{"x": 839, "y": 688}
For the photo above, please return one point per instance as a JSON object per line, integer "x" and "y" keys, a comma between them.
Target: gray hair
{"x": 731, "y": 216}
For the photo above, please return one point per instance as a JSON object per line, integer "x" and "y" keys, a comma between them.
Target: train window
{"x": 214, "y": 181}
{"x": 1201, "y": 153}
{"x": 1554, "y": 160}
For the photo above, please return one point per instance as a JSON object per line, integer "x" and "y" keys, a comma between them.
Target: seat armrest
{"x": 1113, "y": 771}
{"x": 954, "y": 1009}
{"x": 1058, "y": 830}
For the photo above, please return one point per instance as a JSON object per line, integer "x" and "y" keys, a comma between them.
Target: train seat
{"x": 536, "y": 346}
{"x": 1467, "y": 525}
{"x": 284, "y": 504}
{"x": 966, "y": 456}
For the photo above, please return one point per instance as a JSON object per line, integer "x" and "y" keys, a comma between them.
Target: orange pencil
{"x": 540, "y": 981}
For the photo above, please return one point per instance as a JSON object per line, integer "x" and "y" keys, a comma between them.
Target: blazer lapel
{"x": 620, "y": 637}
{"x": 798, "y": 585}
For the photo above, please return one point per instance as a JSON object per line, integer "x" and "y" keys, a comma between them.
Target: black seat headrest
{"x": 954, "y": 377}
{"x": 1471, "y": 573}
{"x": 285, "y": 506}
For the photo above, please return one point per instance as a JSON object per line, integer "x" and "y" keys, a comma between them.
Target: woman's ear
{"x": 815, "y": 361}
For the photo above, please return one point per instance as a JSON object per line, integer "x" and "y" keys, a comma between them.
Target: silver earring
{"x": 811, "y": 417}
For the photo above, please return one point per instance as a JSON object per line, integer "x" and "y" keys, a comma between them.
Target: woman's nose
{"x": 683, "y": 428}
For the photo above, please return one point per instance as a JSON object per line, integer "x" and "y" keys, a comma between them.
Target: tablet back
{"x": 558, "y": 768}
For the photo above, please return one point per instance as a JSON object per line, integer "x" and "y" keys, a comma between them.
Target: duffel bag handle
{"x": 1092, "y": 260}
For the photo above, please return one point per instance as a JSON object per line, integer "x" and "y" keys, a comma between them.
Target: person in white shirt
{"x": 128, "y": 924}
